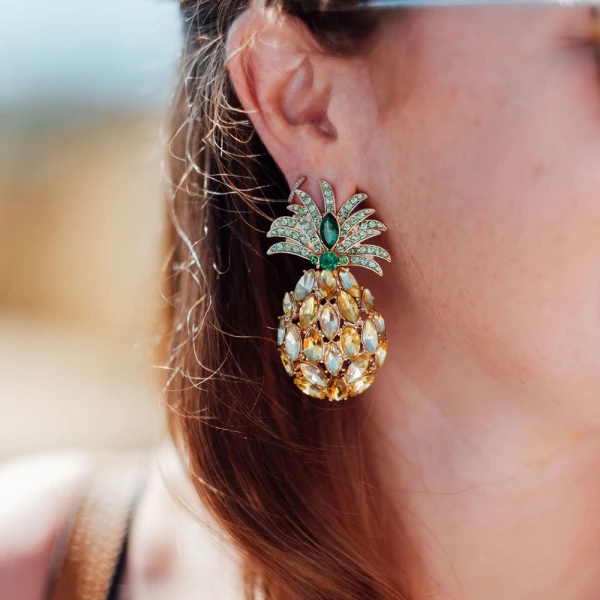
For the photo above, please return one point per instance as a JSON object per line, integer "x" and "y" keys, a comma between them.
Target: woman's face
{"x": 485, "y": 163}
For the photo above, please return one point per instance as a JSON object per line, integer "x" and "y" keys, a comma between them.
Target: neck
{"x": 498, "y": 492}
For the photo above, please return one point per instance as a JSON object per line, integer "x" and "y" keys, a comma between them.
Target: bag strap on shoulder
{"x": 98, "y": 534}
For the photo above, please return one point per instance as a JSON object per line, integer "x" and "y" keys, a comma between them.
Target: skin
{"x": 476, "y": 133}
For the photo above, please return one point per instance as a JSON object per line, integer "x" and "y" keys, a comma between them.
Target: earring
{"x": 331, "y": 339}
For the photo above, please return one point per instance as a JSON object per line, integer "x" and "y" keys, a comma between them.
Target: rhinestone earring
{"x": 331, "y": 339}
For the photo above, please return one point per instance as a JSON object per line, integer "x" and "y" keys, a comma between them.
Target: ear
{"x": 303, "y": 103}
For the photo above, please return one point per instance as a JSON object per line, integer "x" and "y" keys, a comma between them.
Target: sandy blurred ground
{"x": 81, "y": 220}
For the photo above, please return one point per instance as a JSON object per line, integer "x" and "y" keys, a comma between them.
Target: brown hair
{"x": 285, "y": 476}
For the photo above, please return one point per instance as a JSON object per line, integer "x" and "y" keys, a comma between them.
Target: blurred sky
{"x": 60, "y": 55}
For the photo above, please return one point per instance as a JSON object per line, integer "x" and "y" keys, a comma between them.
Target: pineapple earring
{"x": 331, "y": 339}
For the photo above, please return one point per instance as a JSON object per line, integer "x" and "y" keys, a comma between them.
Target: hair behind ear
{"x": 284, "y": 476}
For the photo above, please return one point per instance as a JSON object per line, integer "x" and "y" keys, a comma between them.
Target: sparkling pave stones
{"x": 327, "y": 284}
{"x": 312, "y": 345}
{"x": 333, "y": 358}
{"x": 292, "y": 342}
{"x": 329, "y": 322}
{"x": 308, "y": 388}
{"x": 281, "y": 331}
{"x": 358, "y": 368}
{"x": 313, "y": 374}
{"x": 370, "y": 337}
{"x": 347, "y": 306}
{"x": 329, "y": 260}
{"x": 289, "y": 304}
{"x": 336, "y": 389}
{"x": 308, "y": 311}
{"x": 381, "y": 353}
{"x": 305, "y": 285}
{"x": 329, "y": 230}
{"x": 367, "y": 300}
{"x": 350, "y": 341}
{"x": 349, "y": 282}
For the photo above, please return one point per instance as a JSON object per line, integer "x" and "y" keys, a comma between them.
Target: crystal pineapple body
{"x": 331, "y": 339}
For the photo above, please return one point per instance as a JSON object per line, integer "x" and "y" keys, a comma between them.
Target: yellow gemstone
{"x": 347, "y": 306}
{"x": 370, "y": 337}
{"x": 289, "y": 304}
{"x": 287, "y": 363}
{"x": 292, "y": 342}
{"x": 313, "y": 374}
{"x": 378, "y": 320}
{"x": 358, "y": 368}
{"x": 305, "y": 284}
{"x": 308, "y": 311}
{"x": 349, "y": 282}
{"x": 329, "y": 321}
{"x": 360, "y": 385}
{"x": 337, "y": 389}
{"x": 381, "y": 352}
{"x": 312, "y": 345}
{"x": 333, "y": 358}
{"x": 350, "y": 341}
{"x": 309, "y": 389}
{"x": 327, "y": 284}
{"x": 367, "y": 299}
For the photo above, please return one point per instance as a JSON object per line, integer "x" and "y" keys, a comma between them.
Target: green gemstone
{"x": 314, "y": 260}
{"x": 343, "y": 260}
{"x": 329, "y": 261}
{"x": 330, "y": 230}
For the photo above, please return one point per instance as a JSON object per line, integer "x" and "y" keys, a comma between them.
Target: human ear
{"x": 298, "y": 97}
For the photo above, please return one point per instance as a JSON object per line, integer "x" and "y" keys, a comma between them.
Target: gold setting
{"x": 331, "y": 339}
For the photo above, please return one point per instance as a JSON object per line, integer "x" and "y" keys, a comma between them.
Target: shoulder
{"x": 36, "y": 496}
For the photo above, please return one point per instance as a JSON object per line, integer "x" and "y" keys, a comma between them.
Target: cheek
{"x": 499, "y": 212}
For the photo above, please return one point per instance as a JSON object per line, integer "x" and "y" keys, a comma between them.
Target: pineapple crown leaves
{"x": 329, "y": 239}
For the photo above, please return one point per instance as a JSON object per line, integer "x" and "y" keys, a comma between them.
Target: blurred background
{"x": 84, "y": 87}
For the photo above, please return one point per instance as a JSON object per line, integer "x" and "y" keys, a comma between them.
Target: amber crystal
{"x": 370, "y": 337}
{"x": 367, "y": 300}
{"x": 329, "y": 322}
{"x": 327, "y": 284}
{"x": 336, "y": 389}
{"x": 308, "y": 311}
{"x": 292, "y": 342}
{"x": 378, "y": 320}
{"x": 309, "y": 389}
{"x": 287, "y": 363}
{"x": 381, "y": 353}
{"x": 289, "y": 305}
{"x": 349, "y": 282}
{"x": 358, "y": 368}
{"x": 360, "y": 385}
{"x": 313, "y": 374}
{"x": 350, "y": 341}
{"x": 312, "y": 345}
{"x": 347, "y": 305}
{"x": 333, "y": 358}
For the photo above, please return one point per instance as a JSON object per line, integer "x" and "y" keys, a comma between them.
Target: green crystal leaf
{"x": 329, "y": 230}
